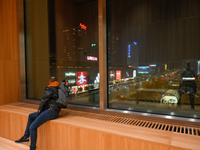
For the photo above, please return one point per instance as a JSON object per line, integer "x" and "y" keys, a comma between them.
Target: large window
{"x": 153, "y": 52}
{"x": 62, "y": 41}
{"x": 153, "y": 56}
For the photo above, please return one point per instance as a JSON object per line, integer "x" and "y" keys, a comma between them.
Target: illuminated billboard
{"x": 112, "y": 75}
{"x": 134, "y": 73}
{"x": 81, "y": 78}
{"x": 91, "y": 58}
{"x": 118, "y": 74}
{"x": 152, "y": 65}
{"x": 165, "y": 67}
{"x": 70, "y": 74}
{"x": 129, "y": 51}
{"x": 143, "y": 69}
{"x": 72, "y": 81}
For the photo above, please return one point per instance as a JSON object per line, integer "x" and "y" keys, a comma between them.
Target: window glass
{"x": 153, "y": 56}
{"x": 62, "y": 41}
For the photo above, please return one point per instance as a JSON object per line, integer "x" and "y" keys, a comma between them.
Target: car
{"x": 170, "y": 97}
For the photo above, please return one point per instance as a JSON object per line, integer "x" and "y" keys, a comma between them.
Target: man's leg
{"x": 31, "y": 118}
{"x": 26, "y": 135}
{"x": 191, "y": 96}
{"x": 192, "y": 100}
{"x": 180, "y": 91}
{"x": 46, "y": 115}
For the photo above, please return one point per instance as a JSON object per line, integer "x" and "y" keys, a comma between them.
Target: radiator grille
{"x": 128, "y": 121}
{"x": 139, "y": 123}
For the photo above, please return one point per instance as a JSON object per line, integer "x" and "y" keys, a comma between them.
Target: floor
{"x": 6, "y": 144}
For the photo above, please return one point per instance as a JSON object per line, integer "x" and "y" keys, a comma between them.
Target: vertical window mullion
{"x": 102, "y": 54}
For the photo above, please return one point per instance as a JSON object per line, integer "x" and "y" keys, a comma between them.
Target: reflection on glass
{"x": 153, "y": 56}
{"x": 72, "y": 52}
{"x": 76, "y": 55}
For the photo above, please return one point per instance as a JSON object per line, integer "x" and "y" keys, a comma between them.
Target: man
{"x": 48, "y": 109}
{"x": 188, "y": 84}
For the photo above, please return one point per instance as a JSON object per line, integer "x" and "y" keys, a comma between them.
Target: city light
{"x": 71, "y": 81}
{"x": 129, "y": 51}
{"x": 83, "y": 26}
{"x": 165, "y": 67}
{"x": 93, "y": 44}
{"x": 118, "y": 74}
{"x": 69, "y": 74}
{"x": 112, "y": 75}
{"x": 188, "y": 78}
{"x": 81, "y": 78}
{"x": 91, "y": 58}
{"x": 152, "y": 65}
{"x": 134, "y": 73}
{"x": 143, "y": 69}
{"x": 97, "y": 79}
{"x": 127, "y": 74}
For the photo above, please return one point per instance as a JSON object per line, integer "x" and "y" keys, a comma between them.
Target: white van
{"x": 170, "y": 97}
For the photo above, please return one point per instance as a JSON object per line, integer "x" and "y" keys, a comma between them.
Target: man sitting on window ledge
{"x": 48, "y": 109}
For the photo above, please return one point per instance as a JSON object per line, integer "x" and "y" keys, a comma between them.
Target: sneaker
{"x": 22, "y": 140}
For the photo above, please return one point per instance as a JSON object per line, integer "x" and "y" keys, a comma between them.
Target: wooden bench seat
{"x": 75, "y": 132}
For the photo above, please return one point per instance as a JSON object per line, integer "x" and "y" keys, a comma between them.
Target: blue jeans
{"x": 191, "y": 91}
{"x": 33, "y": 123}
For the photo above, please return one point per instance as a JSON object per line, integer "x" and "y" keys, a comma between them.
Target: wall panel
{"x": 9, "y": 52}
{"x": 80, "y": 133}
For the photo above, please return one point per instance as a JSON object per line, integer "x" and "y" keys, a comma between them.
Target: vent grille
{"x": 128, "y": 121}
{"x": 139, "y": 123}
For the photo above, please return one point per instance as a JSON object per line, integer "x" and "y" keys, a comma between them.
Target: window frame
{"x": 103, "y": 91}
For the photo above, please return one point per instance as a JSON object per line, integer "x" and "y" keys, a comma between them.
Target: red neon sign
{"x": 83, "y": 26}
{"x": 81, "y": 78}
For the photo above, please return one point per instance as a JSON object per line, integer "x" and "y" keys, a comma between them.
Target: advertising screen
{"x": 134, "y": 73}
{"x": 118, "y": 74}
{"x": 81, "y": 78}
{"x": 91, "y": 58}
{"x": 71, "y": 81}
{"x": 112, "y": 75}
{"x": 143, "y": 69}
{"x": 70, "y": 74}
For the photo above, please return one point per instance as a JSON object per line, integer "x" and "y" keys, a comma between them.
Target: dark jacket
{"x": 189, "y": 83}
{"x": 48, "y": 100}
